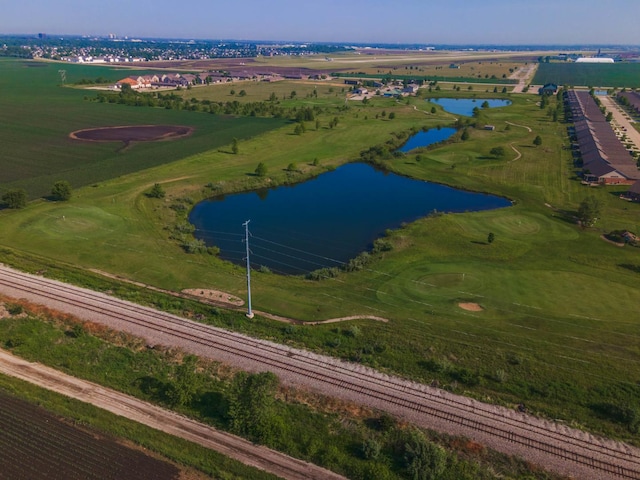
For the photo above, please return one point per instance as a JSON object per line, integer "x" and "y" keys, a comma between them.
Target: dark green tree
{"x": 261, "y": 170}
{"x": 252, "y": 406}
{"x": 490, "y": 238}
{"x": 61, "y": 190}
{"x": 498, "y": 152}
{"x": 234, "y": 146}
{"x": 156, "y": 191}
{"x": 392, "y": 115}
{"x": 185, "y": 382}
{"x": 485, "y": 104}
{"x": 537, "y": 141}
{"x": 589, "y": 211}
{"x": 609, "y": 116}
{"x": 465, "y": 135}
{"x": 424, "y": 460}
{"x": 15, "y": 198}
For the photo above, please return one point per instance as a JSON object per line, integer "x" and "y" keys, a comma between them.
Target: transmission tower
{"x": 246, "y": 241}
{"x": 63, "y": 76}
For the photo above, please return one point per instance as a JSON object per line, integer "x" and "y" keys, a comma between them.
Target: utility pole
{"x": 246, "y": 240}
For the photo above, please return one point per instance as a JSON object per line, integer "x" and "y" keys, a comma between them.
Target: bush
{"x": 156, "y": 191}
{"x": 15, "y": 198}
{"x": 61, "y": 190}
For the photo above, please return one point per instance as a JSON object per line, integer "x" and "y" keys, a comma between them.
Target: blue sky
{"x": 390, "y": 21}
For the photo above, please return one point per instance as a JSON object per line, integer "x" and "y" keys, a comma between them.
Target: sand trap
{"x": 471, "y": 307}
{"x": 215, "y": 295}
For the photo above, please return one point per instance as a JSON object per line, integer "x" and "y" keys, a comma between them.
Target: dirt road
{"x": 163, "y": 420}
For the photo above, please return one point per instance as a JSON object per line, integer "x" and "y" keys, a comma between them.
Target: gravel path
{"x": 552, "y": 445}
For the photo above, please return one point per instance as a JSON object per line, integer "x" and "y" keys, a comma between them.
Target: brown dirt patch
{"x": 470, "y": 306}
{"x": 215, "y": 295}
{"x": 132, "y": 133}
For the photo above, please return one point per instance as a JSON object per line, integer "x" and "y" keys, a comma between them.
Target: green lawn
{"x": 558, "y": 329}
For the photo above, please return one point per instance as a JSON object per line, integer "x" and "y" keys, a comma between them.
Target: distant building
{"x": 454, "y": 65}
{"x": 595, "y": 60}
{"x": 548, "y": 89}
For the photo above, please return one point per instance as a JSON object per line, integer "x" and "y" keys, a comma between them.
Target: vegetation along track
{"x": 557, "y": 447}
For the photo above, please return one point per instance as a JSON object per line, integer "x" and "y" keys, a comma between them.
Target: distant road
{"x": 553, "y": 446}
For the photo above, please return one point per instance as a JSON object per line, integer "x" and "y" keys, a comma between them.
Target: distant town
{"x": 115, "y": 49}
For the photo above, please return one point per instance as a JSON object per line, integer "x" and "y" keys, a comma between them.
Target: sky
{"x": 498, "y": 22}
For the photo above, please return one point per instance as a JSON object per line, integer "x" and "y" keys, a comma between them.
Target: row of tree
{"x": 17, "y": 197}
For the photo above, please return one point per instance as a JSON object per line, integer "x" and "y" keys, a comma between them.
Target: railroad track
{"x": 555, "y": 446}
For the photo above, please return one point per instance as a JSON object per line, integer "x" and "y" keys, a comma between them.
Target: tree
{"x": 292, "y": 167}
{"x": 232, "y": 92}
{"x": 433, "y": 110}
{"x": 185, "y": 384}
{"x": 243, "y": 93}
{"x": 392, "y": 115}
{"x": 234, "y": 146}
{"x": 465, "y": 135}
{"x": 490, "y": 238}
{"x": 589, "y": 211}
{"x": 485, "y": 104}
{"x": 537, "y": 141}
{"x": 476, "y": 112}
{"x": 498, "y": 152}
{"x": 609, "y": 116}
{"x": 156, "y": 191}
{"x": 15, "y": 198}
{"x": 424, "y": 460}
{"x": 252, "y": 405}
{"x": 61, "y": 190}
{"x": 261, "y": 170}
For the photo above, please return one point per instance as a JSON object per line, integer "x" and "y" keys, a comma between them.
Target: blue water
{"x": 465, "y": 106}
{"x": 424, "y": 139}
{"x": 327, "y": 220}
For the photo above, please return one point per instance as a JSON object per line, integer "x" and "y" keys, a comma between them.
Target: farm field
{"x": 37, "y": 444}
{"x": 618, "y": 75}
{"x": 556, "y": 328}
{"x": 38, "y": 117}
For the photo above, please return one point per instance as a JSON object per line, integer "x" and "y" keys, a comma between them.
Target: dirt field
{"x": 132, "y": 133}
{"x": 36, "y": 444}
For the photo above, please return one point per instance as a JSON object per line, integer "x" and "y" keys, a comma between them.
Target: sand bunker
{"x": 132, "y": 133}
{"x": 215, "y": 295}
{"x": 471, "y": 307}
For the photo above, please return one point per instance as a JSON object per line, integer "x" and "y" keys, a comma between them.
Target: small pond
{"x": 426, "y": 138}
{"x": 465, "y": 106}
{"x": 325, "y": 221}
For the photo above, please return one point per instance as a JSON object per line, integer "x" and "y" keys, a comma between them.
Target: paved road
{"x": 163, "y": 420}
{"x": 620, "y": 120}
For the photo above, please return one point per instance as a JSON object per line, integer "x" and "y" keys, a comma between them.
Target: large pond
{"x": 327, "y": 220}
{"x": 465, "y": 106}
{"x": 426, "y": 138}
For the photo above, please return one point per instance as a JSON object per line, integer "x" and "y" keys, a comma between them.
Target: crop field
{"x": 592, "y": 75}
{"x": 38, "y": 116}
{"x": 555, "y": 323}
{"x": 36, "y": 444}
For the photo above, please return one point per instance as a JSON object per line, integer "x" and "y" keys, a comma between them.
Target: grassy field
{"x": 558, "y": 329}
{"x": 591, "y": 75}
{"x": 38, "y": 116}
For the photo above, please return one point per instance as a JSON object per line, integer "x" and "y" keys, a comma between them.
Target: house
{"x": 351, "y": 82}
{"x": 454, "y": 65}
{"x": 361, "y": 91}
{"x": 548, "y": 89}
{"x": 411, "y": 89}
{"x": 490, "y": 127}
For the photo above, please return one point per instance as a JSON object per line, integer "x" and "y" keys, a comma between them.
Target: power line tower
{"x": 246, "y": 241}
{"x": 63, "y": 76}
